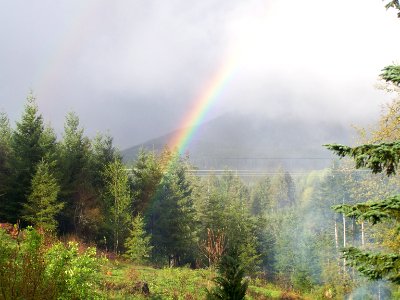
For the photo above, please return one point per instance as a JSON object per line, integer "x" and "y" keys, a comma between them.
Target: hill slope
{"x": 239, "y": 142}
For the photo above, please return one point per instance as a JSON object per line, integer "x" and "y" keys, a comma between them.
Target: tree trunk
{"x": 336, "y": 237}
{"x": 344, "y": 241}
{"x": 362, "y": 235}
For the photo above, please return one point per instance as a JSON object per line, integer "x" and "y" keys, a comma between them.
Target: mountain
{"x": 244, "y": 142}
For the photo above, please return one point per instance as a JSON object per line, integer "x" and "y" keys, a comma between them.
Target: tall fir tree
{"x": 75, "y": 182}
{"x": 43, "y": 206}
{"x": 27, "y": 152}
{"x": 137, "y": 244}
{"x": 171, "y": 218}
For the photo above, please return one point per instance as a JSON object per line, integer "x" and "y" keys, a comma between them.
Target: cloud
{"x": 135, "y": 67}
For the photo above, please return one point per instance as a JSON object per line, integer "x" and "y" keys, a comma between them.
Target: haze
{"x": 135, "y": 68}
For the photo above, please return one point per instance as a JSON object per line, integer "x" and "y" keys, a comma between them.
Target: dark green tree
{"x": 76, "y": 185}
{"x": 27, "y": 152}
{"x": 171, "y": 220}
{"x": 146, "y": 176}
{"x": 103, "y": 153}
{"x": 230, "y": 283}
{"x": 5, "y": 163}
{"x": 137, "y": 244}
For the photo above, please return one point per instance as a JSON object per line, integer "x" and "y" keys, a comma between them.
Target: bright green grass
{"x": 119, "y": 277}
{"x": 167, "y": 283}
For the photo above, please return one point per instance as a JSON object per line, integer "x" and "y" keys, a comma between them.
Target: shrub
{"x": 29, "y": 270}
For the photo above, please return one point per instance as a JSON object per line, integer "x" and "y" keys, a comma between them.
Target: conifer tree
{"x": 171, "y": 217}
{"x": 42, "y": 206}
{"x": 230, "y": 284}
{"x": 119, "y": 198}
{"x": 5, "y": 163}
{"x": 381, "y": 157}
{"x": 138, "y": 242}
{"x": 27, "y": 152}
{"x": 75, "y": 183}
{"x": 146, "y": 176}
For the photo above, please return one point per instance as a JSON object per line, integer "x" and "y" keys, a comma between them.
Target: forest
{"x": 158, "y": 212}
{"x": 78, "y": 223}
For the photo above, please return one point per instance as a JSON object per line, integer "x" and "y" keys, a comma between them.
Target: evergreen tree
{"x": 146, "y": 176}
{"x": 229, "y": 284}
{"x": 282, "y": 190}
{"x": 48, "y": 142}
{"x": 5, "y": 164}
{"x": 27, "y": 152}
{"x": 118, "y": 193}
{"x": 225, "y": 208}
{"x": 261, "y": 198}
{"x": 76, "y": 187}
{"x": 103, "y": 153}
{"x": 138, "y": 242}
{"x": 42, "y": 206}
{"x": 171, "y": 217}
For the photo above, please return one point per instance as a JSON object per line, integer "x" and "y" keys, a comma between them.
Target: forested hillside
{"x": 254, "y": 142}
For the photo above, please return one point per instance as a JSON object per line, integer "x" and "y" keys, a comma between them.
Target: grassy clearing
{"x": 120, "y": 281}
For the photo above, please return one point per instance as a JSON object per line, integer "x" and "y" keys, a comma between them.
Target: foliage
{"x": 42, "y": 207}
{"x": 5, "y": 162}
{"x": 146, "y": 175}
{"x": 230, "y": 283}
{"x": 394, "y": 4}
{"x": 373, "y": 211}
{"x": 30, "y": 270}
{"x": 392, "y": 73}
{"x": 118, "y": 193}
{"x": 27, "y": 152}
{"x": 75, "y": 182}
{"x": 375, "y": 265}
{"x": 138, "y": 242}
{"x": 171, "y": 216}
{"x": 382, "y": 157}
{"x": 75, "y": 274}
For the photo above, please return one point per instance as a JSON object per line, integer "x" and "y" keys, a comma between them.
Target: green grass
{"x": 120, "y": 277}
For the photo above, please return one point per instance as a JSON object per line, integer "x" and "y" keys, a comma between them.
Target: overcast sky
{"x": 135, "y": 67}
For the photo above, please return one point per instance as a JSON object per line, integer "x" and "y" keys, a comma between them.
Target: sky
{"x": 135, "y": 68}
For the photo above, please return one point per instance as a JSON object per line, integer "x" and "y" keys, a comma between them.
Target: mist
{"x": 136, "y": 68}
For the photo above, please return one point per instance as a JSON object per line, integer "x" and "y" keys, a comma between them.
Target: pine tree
{"x": 27, "y": 152}
{"x": 138, "y": 242}
{"x": 42, "y": 206}
{"x": 76, "y": 186}
{"x": 171, "y": 216}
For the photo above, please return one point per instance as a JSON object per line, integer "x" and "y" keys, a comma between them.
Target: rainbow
{"x": 202, "y": 105}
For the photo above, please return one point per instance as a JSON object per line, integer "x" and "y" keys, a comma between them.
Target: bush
{"x": 29, "y": 270}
